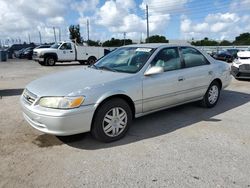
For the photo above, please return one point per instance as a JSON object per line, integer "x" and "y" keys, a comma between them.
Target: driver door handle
{"x": 181, "y": 78}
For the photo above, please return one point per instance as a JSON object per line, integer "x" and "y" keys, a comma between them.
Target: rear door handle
{"x": 181, "y": 78}
{"x": 71, "y": 51}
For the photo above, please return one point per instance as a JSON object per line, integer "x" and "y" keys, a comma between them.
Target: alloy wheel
{"x": 114, "y": 122}
{"x": 213, "y": 94}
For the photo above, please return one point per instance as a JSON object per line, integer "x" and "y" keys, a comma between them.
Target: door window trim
{"x": 180, "y": 57}
{"x": 184, "y": 64}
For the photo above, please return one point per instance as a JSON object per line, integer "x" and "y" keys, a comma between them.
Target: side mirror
{"x": 154, "y": 70}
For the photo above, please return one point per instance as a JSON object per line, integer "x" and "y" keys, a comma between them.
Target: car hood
{"x": 73, "y": 82}
{"x": 43, "y": 50}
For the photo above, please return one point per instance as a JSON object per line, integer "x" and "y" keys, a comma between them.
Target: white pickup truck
{"x": 67, "y": 52}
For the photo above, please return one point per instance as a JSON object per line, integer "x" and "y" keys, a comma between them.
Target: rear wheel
{"x": 50, "y": 61}
{"x": 212, "y": 95}
{"x": 112, "y": 120}
{"x": 91, "y": 60}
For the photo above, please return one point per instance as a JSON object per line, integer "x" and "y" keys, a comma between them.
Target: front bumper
{"x": 239, "y": 72}
{"x": 59, "y": 122}
{"x": 36, "y": 58}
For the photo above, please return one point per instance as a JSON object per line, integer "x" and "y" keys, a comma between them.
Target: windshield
{"x": 127, "y": 59}
{"x": 56, "y": 45}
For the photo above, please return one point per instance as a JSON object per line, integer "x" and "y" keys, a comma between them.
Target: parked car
{"x": 241, "y": 66}
{"x": 224, "y": 56}
{"x": 16, "y": 47}
{"x": 227, "y": 55}
{"x": 18, "y": 53}
{"x": 129, "y": 82}
{"x": 233, "y": 52}
{"x": 67, "y": 52}
{"x": 27, "y": 53}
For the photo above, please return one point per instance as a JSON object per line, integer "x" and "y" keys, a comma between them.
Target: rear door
{"x": 198, "y": 73}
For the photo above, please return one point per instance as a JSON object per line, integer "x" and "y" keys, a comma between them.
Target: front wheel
{"x": 50, "y": 61}
{"x": 41, "y": 63}
{"x": 212, "y": 95}
{"x": 112, "y": 120}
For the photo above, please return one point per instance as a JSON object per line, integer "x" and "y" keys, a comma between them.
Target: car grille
{"x": 29, "y": 97}
{"x": 242, "y": 74}
{"x": 244, "y": 67}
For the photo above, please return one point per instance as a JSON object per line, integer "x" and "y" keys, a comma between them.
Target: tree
{"x": 205, "y": 42}
{"x": 74, "y": 33}
{"x": 93, "y": 43}
{"x": 156, "y": 39}
{"x": 225, "y": 43}
{"x": 116, "y": 42}
{"x": 242, "y": 39}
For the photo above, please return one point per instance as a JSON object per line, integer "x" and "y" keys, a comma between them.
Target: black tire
{"x": 206, "y": 102}
{"x": 91, "y": 60}
{"x": 50, "y": 61}
{"x": 98, "y": 122}
{"x": 41, "y": 63}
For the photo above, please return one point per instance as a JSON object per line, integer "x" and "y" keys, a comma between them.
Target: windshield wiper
{"x": 107, "y": 68}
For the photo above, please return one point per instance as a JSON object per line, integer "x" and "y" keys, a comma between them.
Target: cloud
{"x": 217, "y": 26}
{"x": 124, "y": 16}
{"x": 20, "y": 18}
{"x": 84, "y": 6}
{"x": 163, "y": 6}
{"x": 240, "y": 5}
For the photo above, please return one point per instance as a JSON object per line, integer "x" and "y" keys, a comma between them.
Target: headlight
{"x": 40, "y": 55}
{"x": 61, "y": 102}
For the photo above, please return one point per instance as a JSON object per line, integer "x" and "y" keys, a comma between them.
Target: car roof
{"x": 155, "y": 45}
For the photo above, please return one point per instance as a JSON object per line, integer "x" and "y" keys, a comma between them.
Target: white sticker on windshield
{"x": 143, "y": 49}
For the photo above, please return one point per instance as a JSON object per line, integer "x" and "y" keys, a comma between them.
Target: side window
{"x": 66, "y": 46}
{"x": 192, "y": 57}
{"x": 167, "y": 58}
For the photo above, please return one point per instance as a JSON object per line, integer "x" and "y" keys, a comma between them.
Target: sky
{"x": 175, "y": 19}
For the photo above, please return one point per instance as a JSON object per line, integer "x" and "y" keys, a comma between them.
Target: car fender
{"x": 109, "y": 94}
{"x": 53, "y": 54}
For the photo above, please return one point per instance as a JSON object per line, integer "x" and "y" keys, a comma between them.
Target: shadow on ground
{"x": 162, "y": 122}
{"x": 10, "y": 92}
{"x": 67, "y": 64}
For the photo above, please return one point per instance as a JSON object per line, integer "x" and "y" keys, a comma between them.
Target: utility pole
{"x": 40, "y": 37}
{"x": 54, "y": 33}
{"x": 147, "y": 23}
{"x": 124, "y": 38}
{"x": 29, "y": 38}
{"x": 59, "y": 30}
{"x": 88, "y": 31}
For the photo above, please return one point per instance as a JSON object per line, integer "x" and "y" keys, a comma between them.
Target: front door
{"x": 66, "y": 52}
{"x": 162, "y": 90}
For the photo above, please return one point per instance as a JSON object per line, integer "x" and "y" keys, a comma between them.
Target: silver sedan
{"x": 129, "y": 82}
